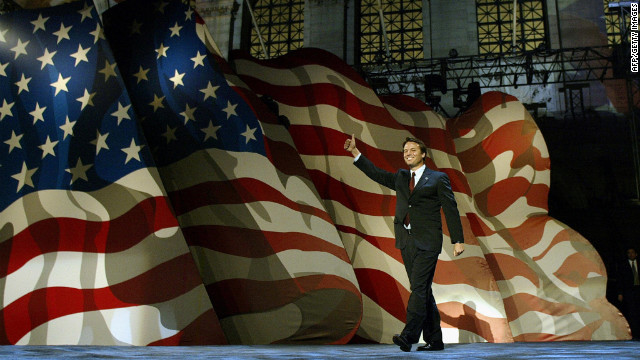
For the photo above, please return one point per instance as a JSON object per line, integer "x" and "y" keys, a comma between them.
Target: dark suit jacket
{"x": 432, "y": 192}
{"x": 625, "y": 277}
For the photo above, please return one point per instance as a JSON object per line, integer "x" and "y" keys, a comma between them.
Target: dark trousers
{"x": 631, "y": 309}
{"x": 422, "y": 312}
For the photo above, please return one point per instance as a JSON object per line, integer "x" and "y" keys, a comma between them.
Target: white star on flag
{"x": 210, "y": 132}
{"x": 188, "y": 113}
{"x": 14, "y": 141}
{"x": 20, "y": 49}
{"x": 230, "y": 109}
{"x": 175, "y": 30}
{"x": 97, "y": 34}
{"x": 47, "y": 58}
{"x": 86, "y": 12}
{"x": 86, "y": 99}
{"x": 249, "y": 134}
{"x": 63, "y": 33}
{"x": 79, "y": 171}
{"x": 38, "y": 24}
{"x": 100, "y": 141}
{"x": 133, "y": 151}
{"x": 198, "y": 60}
{"x": 61, "y": 84}
{"x": 109, "y": 70}
{"x": 141, "y": 74}
{"x": 209, "y": 91}
{"x": 38, "y": 113}
{"x": 24, "y": 176}
{"x": 67, "y": 128}
{"x": 157, "y": 102}
{"x": 5, "y": 110}
{"x": 170, "y": 134}
{"x": 187, "y": 14}
{"x": 80, "y": 55}
{"x": 177, "y": 79}
{"x": 162, "y": 51}
{"x": 23, "y": 84}
{"x": 160, "y": 6}
{"x": 48, "y": 147}
{"x": 122, "y": 112}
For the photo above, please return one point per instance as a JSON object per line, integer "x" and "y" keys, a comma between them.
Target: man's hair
{"x": 423, "y": 147}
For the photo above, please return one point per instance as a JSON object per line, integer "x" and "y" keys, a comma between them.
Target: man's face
{"x": 631, "y": 254}
{"x": 413, "y": 156}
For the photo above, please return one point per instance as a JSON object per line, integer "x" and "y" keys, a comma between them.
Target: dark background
{"x": 593, "y": 183}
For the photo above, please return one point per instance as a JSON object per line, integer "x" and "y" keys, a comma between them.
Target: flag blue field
{"x": 90, "y": 250}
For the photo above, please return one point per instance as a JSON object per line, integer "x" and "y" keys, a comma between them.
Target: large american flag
{"x": 524, "y": 275}
{"x": 90, "y": 251}
{"x": 270, "y": 256}
{"x": 292, "y": 243}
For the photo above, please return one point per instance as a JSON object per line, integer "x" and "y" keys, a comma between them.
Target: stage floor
{"x": 601, "y": 350}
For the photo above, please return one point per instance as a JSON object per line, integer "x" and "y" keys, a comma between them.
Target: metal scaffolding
{"x": 540, "y": 67}
{"x": 573, "y": 68}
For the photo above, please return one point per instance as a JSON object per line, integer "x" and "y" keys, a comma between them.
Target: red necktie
{"x": 412, "y": 185}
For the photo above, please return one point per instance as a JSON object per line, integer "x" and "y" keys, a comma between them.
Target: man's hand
{"x": 350, "y": 146}
{"x": 458, "y": 248}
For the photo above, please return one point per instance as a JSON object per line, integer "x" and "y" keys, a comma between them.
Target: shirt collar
{"x": 420, "y": 171}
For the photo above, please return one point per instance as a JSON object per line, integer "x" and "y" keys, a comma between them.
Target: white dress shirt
{"x": 634, "y": 269}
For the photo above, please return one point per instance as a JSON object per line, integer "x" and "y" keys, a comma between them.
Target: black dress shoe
{"x": 431, "y": 346}
{"x": 402, "y": 342}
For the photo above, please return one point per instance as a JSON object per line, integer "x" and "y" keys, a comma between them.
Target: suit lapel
{"x": 423, "y": 180}
{"x": 406, "y": 177}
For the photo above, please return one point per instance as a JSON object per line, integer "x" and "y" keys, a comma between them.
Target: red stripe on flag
{"x": 306, "y": 95}
{"x": 506, "y": 267}
{"x": 387, "y": 245}
{"x": 199, "y": 332}
{"x": 405, "y": 103}
{"x": 492, "y": 99}
{"x": 478, "y": 225}
{"x": 306, "y": 56}
{"x": 293, "y": 165}
{"x": 464, "y": 271}
{"x": 67, "y": 234}
{"x": 244, "y": 296}
{"x": 322, "y": 141}
{"x": 43, "y": 305}
{"x": 503, "y": 194}
{"x": 521, "y": 303}
{"x": 252, "y": 243}
{"x": 236, "y": 191}
{"x": 362, "y": 202}
{"x": 385, "y": 291}
{"x": 434, "y": 138}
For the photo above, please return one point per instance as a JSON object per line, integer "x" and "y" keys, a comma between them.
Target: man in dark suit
{"x": 420, "y": 194}
{"x": 629, "y": 291}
